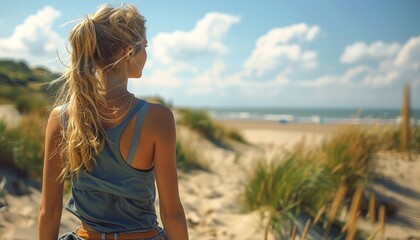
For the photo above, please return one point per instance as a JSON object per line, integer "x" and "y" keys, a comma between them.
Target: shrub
{"x": 31, "y": 102}
{"x": 23, "y": 147}
{"x": 6, "y": 154}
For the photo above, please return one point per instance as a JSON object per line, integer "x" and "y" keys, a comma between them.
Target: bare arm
{"x": 52, "y": 189}
{"x": 171, "y": 210}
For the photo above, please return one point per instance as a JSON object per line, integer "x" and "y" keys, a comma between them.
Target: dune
{"x": 212, "y": 200}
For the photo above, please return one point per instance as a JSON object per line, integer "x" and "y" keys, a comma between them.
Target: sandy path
{"x": 9, "y": 115}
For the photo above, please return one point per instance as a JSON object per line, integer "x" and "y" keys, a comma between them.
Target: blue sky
{"x": 217, "y": 53}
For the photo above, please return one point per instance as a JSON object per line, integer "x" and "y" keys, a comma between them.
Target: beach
{"x": 212, "y": 200}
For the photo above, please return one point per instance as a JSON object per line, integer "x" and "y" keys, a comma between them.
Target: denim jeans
{"x": 73, "y": 236}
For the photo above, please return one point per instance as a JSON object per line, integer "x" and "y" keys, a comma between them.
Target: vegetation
{"x": 389, "y": 138}
{"x": 201, "y": 122}
{"x": 285, "y": 190}
{"x": 304, "y": 180}
{"x": 405, "y": 123}
{"x": 348, "y": 155}
{"x": 25, "y": 87}
{"x": 22, "y": 148}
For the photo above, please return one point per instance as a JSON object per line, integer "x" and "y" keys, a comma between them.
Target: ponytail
{"x": 95, "y": 43}
{"x": 83, "y": 128}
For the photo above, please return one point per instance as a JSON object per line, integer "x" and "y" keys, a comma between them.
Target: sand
{"x": 212, "y": 200}
{"x": 9, "y": 115}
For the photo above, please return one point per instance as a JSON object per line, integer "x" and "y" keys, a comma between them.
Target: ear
{"x": 125, "y": 51}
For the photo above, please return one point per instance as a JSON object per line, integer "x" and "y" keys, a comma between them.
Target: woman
{"x": 111, "y": 145}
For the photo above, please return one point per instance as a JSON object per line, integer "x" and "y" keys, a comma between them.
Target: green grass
{"x": 25, "y": 87}
{"x": 34, "y": 102}
{"x": 22, "y": 148}
{"x": 306, "y": 179}
{"x": 287, "y": 186}
{"x": 203, "y": 124}
{"x": 348, "y": 155}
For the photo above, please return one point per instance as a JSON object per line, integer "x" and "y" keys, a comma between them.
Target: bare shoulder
{"x": 160, "y": 114}
{"x": 161, "y": 120}
{"x": 56, "y": 112}
{"x": 54, "y": 120}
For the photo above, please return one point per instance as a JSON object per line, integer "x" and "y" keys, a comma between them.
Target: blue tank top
{"x": 115, "y": 197}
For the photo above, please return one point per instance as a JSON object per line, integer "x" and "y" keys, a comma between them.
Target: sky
{"x": 214, "y": 53}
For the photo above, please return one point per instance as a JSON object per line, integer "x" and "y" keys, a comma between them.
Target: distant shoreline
{"x": 319, "y": 121}
{"x": 313, "y": 115}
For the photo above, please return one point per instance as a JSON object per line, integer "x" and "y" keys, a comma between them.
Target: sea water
{"x": 316, "y": 115}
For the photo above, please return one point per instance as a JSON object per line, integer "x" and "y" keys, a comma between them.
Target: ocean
{"x": 315, "y": 115}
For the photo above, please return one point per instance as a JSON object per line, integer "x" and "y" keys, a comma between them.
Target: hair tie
{"x": 90, "y": 19}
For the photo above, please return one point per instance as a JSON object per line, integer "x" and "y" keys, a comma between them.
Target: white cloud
{"x": 172, "y": 56}
{"x": 168, "y": 77}
{"x": 312, "y": 33}
{"x": 318, "y": 82}
{"x": 204, "y": 39}
{"x": 300, "y": 32}
{"x": 361, "y": 51}
{"x": 274, "y": 50}
{"x": 215, "y": 79}
{"x": 34, "y": 40}
{"x": 353, "y": 74}
{"x": 206, "y": 82}
{"x": 409, "y": 56}
{"x": 396, "y": 64}
{"x": 381, "y": 79}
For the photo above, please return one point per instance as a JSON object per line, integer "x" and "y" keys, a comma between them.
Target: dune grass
{"x": 348, "y": 155}
{"x": 389, "y": 138}
{"x": 203, "y": 124}
{"x": 286, "y": 189}
{"x": 307, "y": 180}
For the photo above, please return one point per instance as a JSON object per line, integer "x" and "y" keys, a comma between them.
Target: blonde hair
{"x": 95, "y": 44}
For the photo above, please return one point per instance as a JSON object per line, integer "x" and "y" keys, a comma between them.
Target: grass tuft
{"x": 203, "y": 124}
{"x": 306, "y": 179}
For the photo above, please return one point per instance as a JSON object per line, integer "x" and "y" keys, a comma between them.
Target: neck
{"x": 114, "y": 84}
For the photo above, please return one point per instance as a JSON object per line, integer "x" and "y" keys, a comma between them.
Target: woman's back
{"x": 112, "y": 196}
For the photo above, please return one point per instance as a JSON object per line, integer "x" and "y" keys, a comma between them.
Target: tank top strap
{"x": 136, "y": 133}
{"x": 63, "y": 116}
